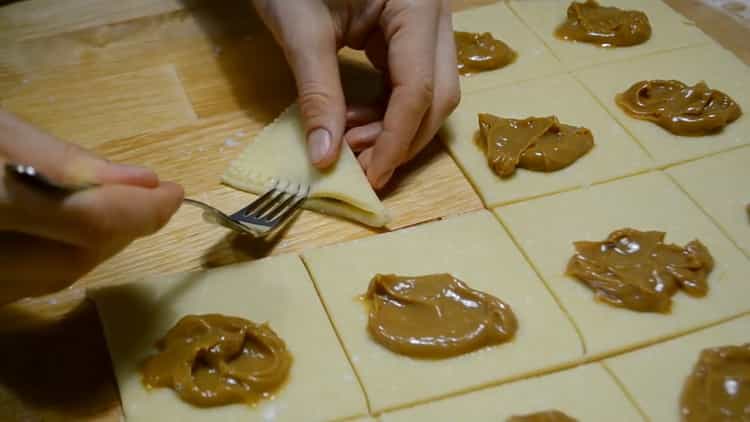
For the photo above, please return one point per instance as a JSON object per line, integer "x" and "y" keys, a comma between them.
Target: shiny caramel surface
{"x": 679, "y": 108}
{"x": 718, "y": 389}
{"x": 536, "y": 143}
{"x": 636, "y": 270}
{"x": 593, "y": 23}
{"x": 214, "y": 360}
{"x": 481, "y": 52}
{"x": 435, "y": 316}
{"x": 545, "y": 416}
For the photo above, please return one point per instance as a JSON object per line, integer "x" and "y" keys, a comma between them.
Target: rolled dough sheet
{"x": 670, "y": 30}
{"x": 321, "y": 385}
{"x": 718, "y": 67}
{"x": 534, "y": 58}
{"x": 654, "y": 376}
{"x": 614, "y": 154}
{"x": 474, "y": 248}
{"x": 578, "y": 392}
{"x": 719, "y": 185}
{"x": 545, "y": 228}
{"x": 280, "y": 151}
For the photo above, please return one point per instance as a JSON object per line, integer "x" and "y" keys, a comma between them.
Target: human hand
{"x": 47, "y": 240}
{"x": 411, "y": 41}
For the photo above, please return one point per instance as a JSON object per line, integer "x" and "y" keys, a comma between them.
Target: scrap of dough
{"x": 545, "y": 228}
{"x": 719, "y": 68}
{"x": 578, "y": 392}
{"x": 473, "y": 248}
{"x": 275, "y": 290}
{"x": 280, "y": 151}
{"x": 654, "y": 376}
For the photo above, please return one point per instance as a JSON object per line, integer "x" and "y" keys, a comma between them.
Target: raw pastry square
{"x": 546, "y": 228}
{"x": 534, "y": 58}
{"x": 614, "y": 154}
{"x": 578, "y": 392}
{"x": 321, "y": 384}
{"x": 472, "y": 247}
{"x": 669, "y": 30}
{"x": 718, "y": 67}
{"x": 719, "y": 184}
{"x": 654, "y": 376}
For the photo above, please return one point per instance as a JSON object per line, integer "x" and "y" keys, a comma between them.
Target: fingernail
{"x": 319, "y": 142}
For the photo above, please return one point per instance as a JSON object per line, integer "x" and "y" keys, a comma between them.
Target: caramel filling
{"x": 719, "y": 387}
{"x": 214, "y": 360}
{"x": 435, "y": 316}
{"x": 637, "y": 270}
{"x": 681, "y": 109}
{"x": 481, "y": 52}
{"x": 537, "y": 143}
{"x": 546, "y": 416}
{"x": 592, "y": 23}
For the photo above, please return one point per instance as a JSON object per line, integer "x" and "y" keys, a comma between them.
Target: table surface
{"x": 179, "y": 87}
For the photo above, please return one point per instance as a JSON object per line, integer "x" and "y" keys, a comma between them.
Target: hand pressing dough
{"x": 712, "y": 64}
{"x": 473, "y": 248}
{"x": 321, "y": 384}
{"x": 719, "y": 185}
{"x": 614, "y": 153}
{"x": 580, "y": 393}
{"x": 533, "y": 60}
{"x": 280, "y": 151}
{"x": 654, "y": 376}
{"x": 545, "y": 228}
{"x": 670, "y": 30}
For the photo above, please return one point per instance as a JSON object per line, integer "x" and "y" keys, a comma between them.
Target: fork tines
{"x": 274, "y": 206}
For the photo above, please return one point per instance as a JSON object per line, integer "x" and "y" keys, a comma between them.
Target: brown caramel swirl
{"x": 481, "y": 52}
{"x": 214, "y": 360}
{"x": 637, "y": 270}
{"x": 592, "y": 23}
{"x": 537, "y": 143}
{"x": 718, "y": 389}
{"x": 679, "y": 108}
{"x": 545, "y": 416}
{"x": 435, "y": 316}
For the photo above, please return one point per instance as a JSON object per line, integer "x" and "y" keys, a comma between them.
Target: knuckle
{"x": 424, "y": 90}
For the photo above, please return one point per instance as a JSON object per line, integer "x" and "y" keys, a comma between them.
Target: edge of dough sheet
{"x": 341, "y": 191}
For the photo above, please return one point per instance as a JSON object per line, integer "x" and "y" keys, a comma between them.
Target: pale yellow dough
{"x": 545, "y": 228}
{"x": 718, "y": 67}
{"x": 475, "y": 249}
{"x": 719, "y": 185}
{"x": 321, "y": 384}
{"x": 614, "y": 154}
{"x": 670, "y": 30}
{"x": 654, "y": 376}
{"x": 533, "y": 60}
{"x": 587, "y": 393}
{"x": 280, "y": 152}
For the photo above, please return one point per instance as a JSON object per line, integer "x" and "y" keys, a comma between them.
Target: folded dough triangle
{"x": 279, "y": 151}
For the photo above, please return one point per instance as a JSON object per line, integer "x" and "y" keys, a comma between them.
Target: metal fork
{"x": 31, "y": 176}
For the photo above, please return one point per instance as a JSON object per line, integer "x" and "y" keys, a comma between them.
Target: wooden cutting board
{"x": 180, "y": 87}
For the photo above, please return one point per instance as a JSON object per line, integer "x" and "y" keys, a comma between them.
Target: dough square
{"x": 713, "y": 64}
{"x": 654, "y": 376}
{"x": 546, "y": 228}
{"x": 534, "y": 58}
{"x": 614, "y": 154}
{"x": 472, "y": 247}
{"x": 719, "y": 185}
{"x": 321, "y": 385}
{"x": 577, "y": 392}
{"x": 670, "y": 30}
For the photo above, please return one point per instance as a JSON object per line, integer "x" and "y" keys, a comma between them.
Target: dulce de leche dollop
{"x": 718, "y": 389}
{"x": 481, "y": 52}
{"x": 214, "y": 360}
{"x": 590, "y": 22}
{"x": 545, "y": 416}
{"x": 637, "y": 270}
{"x": 681, "y": 109}
{"x": 536, "y": 143}
{"x": 435, "y": 316}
